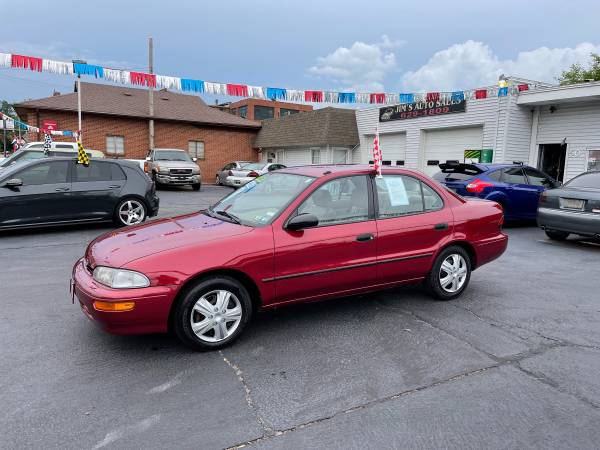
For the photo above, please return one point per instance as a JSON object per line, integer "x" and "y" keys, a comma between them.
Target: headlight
{"x": 196, "y": 171}
{"x": 120, "y": 278}
{"x": 163, "y": 170}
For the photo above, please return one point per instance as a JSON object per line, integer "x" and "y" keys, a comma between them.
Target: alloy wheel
{"x": 216, "y": 316}
{"x": 132, "y": 212}
{"x": 453, "y": 273}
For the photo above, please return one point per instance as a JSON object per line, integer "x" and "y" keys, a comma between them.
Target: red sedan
{"x": 296, "y": 235}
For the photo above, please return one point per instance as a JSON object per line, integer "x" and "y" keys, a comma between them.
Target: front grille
{"x": 180, "y": 171}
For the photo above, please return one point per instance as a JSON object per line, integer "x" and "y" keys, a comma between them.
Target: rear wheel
{"x": 130, "y": 211}
{"x": 556, "y": 235}
{"x": 450, "y": 274}
{"x": 212, "y": 314}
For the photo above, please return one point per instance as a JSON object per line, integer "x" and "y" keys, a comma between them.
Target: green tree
{"x": 578, "y": 74}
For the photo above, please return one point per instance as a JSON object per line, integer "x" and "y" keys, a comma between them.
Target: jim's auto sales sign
{"x": 421, "y": 109}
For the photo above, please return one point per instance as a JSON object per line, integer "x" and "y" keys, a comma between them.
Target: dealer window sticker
{"x": 396, "y": 191}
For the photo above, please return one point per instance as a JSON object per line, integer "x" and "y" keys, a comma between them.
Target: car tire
{"x": 556, "y": 235}
{"x": 197, "y": 321}
{"x": 155, "y": 179}
{"x": 450, "y": 274}
{"x": 196, "y": 186}
{"x": 130, "y": 211}
{"x": 218, "y": 181}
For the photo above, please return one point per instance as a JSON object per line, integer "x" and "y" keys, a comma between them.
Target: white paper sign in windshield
{"x": 396, "y": 191}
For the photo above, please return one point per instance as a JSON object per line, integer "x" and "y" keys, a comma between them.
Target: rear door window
{"x": 97, "y": 171}
{"x": 514, "y": 175}
{"x": 398, "y": 195}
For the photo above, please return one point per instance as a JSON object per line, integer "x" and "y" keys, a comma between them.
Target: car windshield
{"x": 586, "y": 181}
{"x": 21, "y": 156}
{"x": 260, "y": 201}
{"x": 171, "y": 155}
{"x": 254, "y": 166}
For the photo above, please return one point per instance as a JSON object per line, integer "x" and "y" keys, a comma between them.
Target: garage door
{"x": 393, "y": 147}
{"x": 444, "y": 145}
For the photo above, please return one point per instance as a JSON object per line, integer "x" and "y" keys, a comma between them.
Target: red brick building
{"x": 257, "y": 109}
{"x": 115, "y": 120}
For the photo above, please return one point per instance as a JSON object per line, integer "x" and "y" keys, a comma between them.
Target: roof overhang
{"x": 577, "y": 93}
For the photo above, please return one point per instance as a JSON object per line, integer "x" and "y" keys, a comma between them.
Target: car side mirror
{"x": 194, "y": 159}
{"x": 302, "y": 221}
{"x": 13, "y": 183}
{"x": 148, "y": 158}
{"x": 557, "y": 184}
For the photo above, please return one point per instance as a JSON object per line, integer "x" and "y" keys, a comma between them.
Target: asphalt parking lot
{"x": 513, "y": 363}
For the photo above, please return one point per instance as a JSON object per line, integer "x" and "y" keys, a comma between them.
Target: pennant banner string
{"x": 10, "y": 60}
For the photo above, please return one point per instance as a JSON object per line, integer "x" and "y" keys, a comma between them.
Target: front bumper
{"x": 150, "y": 314}
{"x": 576, "y": 222}
{"x": 178, "y": 179}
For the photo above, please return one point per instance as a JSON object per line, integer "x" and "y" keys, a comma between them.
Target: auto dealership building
{"x": 554, "y": 128}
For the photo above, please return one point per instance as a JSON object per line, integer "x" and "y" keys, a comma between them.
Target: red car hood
{"x": 118, "y": 248}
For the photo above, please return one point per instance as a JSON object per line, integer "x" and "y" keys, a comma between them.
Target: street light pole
{"x": 151, "y": 94}
{"x": 79, "y": 126}
{"x": 79, "y": 109}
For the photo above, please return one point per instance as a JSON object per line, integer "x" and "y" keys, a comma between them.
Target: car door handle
{"x": 365, "y": 237}
{"x": 114, "y": 186}
{"x": 62, "y": 189}
{"x": 440, "y": 226}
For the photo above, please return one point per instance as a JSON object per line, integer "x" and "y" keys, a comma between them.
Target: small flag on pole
{"x": 82, "y": 157}
{"x": 47, "y": 142}
{"x": 377, "y": 157}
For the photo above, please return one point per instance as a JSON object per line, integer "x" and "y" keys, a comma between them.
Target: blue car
{"x": 515, "y": 186}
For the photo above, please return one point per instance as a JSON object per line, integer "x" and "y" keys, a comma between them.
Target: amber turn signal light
{"x": 113, "y": 307}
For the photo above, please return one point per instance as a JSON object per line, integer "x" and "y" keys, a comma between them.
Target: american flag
{"x": 377, "y": 157}
{"x": 47, "y": 142}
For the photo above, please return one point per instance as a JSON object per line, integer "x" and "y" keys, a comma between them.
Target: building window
{"x": 263, "y": 112}
{"x": 115, "y": 145}
{"x": 286, "y": 112}
{"x": 196, "y": 149}
{"x": 243, "y": 111}
{"x": 340, "y": 156}
{"x": 315, "y": 156}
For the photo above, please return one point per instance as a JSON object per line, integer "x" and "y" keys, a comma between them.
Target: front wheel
{"x": 218, "y": 180}
{"x": 212, "y": 314}
{"x": 450, "y": 274}
{"x": 196, "y": 186}
{"x": 556, "y": 235}
{"x": 130, "y": 211}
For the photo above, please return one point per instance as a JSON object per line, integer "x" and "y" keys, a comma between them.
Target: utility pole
{"x": 4, "y": 136}
{"x": 79, "y": 130}
{"x": 151, "y": 93}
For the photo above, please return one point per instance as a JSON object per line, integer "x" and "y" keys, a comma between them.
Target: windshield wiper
{"x": 232, "y": 217}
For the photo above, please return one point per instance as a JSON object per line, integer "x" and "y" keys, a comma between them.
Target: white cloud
{"x": 472, "y": 64}
{"x": 360, "y": 67}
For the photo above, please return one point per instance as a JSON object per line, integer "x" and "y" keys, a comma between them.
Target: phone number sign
{"x": 421, "y": 109}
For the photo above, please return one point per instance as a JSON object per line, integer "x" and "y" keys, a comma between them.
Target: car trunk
{"x": 582, "y": 200}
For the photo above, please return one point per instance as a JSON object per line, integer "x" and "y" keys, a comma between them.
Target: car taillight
{"x": 477, "y": 186}
{"x": 253, "y": 174}
{"x": 230, "y": 173}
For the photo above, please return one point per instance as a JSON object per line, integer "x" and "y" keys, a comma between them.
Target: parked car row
{"x": 525, "y": 192}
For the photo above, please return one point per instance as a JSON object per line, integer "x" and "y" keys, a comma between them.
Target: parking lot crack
{"x": 266, "y": 429}
{"x": 275, "y": 433}
{"x": 542, "y": 378}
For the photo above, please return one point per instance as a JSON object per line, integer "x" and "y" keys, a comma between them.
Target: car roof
{"x": 320, "y": 170}
{"x": 71, "y": 158}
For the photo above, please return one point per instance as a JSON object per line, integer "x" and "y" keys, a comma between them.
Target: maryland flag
{"x": 82, "y": 157}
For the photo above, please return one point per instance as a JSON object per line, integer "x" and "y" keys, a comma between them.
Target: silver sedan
{"x": 250, "y": 172}
{"x": 228, "y": 170}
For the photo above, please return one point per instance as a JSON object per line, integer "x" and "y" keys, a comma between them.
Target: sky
{"x": 374, "y": 46}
